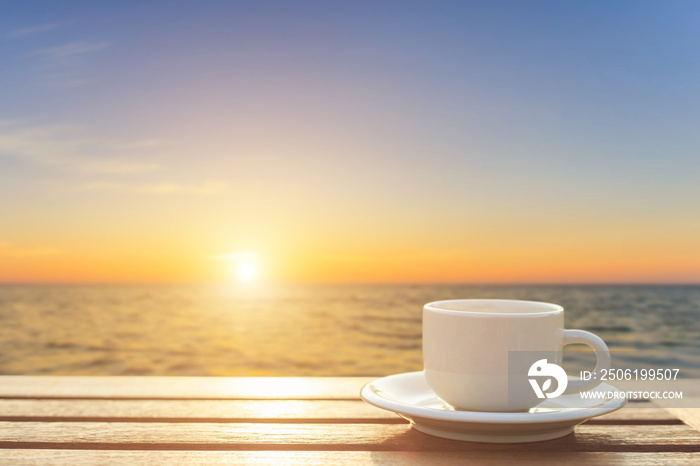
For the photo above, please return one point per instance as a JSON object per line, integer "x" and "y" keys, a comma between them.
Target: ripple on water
{"x": 302, "y": 330}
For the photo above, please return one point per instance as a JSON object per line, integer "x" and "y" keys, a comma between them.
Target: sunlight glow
{"x": 246, "y": 271}
{"x": 244, "y": 266}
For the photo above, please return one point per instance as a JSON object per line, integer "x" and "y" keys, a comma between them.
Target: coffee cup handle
{"x": 602, "y": 358}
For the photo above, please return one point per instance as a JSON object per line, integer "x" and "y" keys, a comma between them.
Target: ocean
{"x": 303, "y": 330}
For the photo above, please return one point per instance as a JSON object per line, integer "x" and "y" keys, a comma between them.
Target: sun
{"x": 244, "y": 266}
{"x": 246, "y": 271}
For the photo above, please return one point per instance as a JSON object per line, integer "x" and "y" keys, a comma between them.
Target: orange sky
{"x": 334, "y": 255}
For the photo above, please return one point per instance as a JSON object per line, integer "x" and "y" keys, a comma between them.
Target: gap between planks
{"x": 310, "y": 458}
{"x": 338, "y": 437}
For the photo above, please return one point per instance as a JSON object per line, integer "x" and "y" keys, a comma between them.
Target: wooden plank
{"x": 637, "y": 413}
{"x": 686, "y": 409}
{"x": 135, "y": 387}
{"x": 351, "y": 437}
{"x": 690, "y": 416}
{"x": 211, "y": 388}
{"x": 299, "y": 411}
{"x": 202, "y": 388}
{"x": 323, "y": 458}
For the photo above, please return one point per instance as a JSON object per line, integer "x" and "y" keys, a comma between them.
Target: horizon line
{"x": 317, "y": 283}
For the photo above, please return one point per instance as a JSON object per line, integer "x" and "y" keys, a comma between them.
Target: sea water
{"x": 303, "y": 330}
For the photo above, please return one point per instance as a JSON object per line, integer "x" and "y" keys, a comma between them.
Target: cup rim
{"x": 547, "y": 308}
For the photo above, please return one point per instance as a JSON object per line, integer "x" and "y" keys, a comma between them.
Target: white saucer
{"x": 410, "y": 396}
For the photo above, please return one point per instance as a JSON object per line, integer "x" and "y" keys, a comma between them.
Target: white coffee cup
{"x": 467, "y": 343}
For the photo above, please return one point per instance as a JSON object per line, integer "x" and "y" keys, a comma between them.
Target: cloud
{"x": 65, "y": 64}
{"x": 207, "y": 188}
{"x": 101, "y": 186}
{"x": 48, "y": 145}
{"x": 115, "y": 166}
{"x": 65, "y": 80}
{"x": 68, "y": 50}
{"x": 30, "y": 31}
{"x": 11, "y": 251}
{"x": 66, "y": 148}
{"x": 7, "y": 122}
{"x": 139, "y": 144}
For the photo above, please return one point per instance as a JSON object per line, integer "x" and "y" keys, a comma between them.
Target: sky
{"x": 350, "y": 141}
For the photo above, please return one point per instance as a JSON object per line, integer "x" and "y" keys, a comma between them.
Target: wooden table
{"x": 171, "y": 420}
